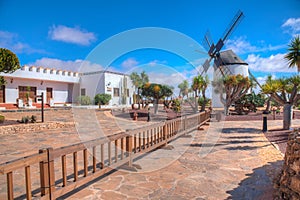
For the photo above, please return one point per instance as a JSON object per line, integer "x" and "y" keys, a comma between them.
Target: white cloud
{"x": 240, "y": 45}
{"x": 76, "y": 65}
{"x": 292, "y": 25}
{"x": 274, "y": 63}
{"x": 129, "y": 63}
{"x": 11, "y": 41}
{"x": 71, "y": 35}
{"x": 156, "y": 62}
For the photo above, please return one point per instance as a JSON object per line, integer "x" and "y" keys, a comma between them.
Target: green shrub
{"x": 201, "y": 100}
{"x": 84, "y": 100}
{"x": 25, "y": 119}
{"x": 33, "y": 119}
{"x": 102, "y": 99}
{"x": 176, "y": 105}
{"x": 2, "y": 118}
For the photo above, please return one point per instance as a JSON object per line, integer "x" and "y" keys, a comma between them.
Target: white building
{"x": 118, "y": 85}
{"x": 60, "y": 87}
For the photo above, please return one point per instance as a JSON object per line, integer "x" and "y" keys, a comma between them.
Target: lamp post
{"x": 148, "y": 118}
{"x": 265, "y": 121}
{"x": 42, "y": 99}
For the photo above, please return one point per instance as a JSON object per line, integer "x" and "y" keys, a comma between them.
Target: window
{"x": 27, "y": 91}
{"x": 82, "y": 92}
{"x": 116, "y": 92}
{"x": 127, "y": 92}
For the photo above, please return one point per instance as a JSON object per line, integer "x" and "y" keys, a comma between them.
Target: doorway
{"x": 49, "y": 95}
{"x": 2, "y": 94}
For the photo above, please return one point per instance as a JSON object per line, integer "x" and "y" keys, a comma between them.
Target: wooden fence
{"x": 64, "y": 169}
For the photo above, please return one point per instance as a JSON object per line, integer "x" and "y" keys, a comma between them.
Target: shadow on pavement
{"x": 258, "y": 184}
{"x": 241, "y": 130}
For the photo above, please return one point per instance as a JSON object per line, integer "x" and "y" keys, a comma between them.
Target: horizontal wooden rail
{"x": 83, "y": 162}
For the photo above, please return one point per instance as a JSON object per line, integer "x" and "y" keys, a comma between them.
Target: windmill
{"x": 214, "y": 50}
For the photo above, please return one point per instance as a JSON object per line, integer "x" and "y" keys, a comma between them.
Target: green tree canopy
{"x": 102, "y": 99}
{"x": 293, "y": 55}
{"x": 9, "y": 63}
{"x": 156, "y": 91}
{"x": 283, "y": 90}
{"x": 184, "y": 88}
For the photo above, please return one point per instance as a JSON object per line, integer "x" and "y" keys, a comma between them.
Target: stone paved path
{"x": 234, "y": 163}
{"x": 240, "y": 164}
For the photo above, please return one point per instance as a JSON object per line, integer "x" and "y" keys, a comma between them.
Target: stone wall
{"x": 288, "y": 182}
{"x": 25, "y": 128}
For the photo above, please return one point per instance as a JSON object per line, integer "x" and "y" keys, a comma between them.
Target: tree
{"x": 138, "y": 82}
{"x": 9, "y": 63}
{"x": 102, "y": 99}
{"x": 203, "y": 84}
{"x": 285, "y": 92}
{"x": 199, "y": 86}
{"x": 234, "y": 87}
{"x": 195, "y": 88}
{"x": 293, "y": 56}
{"x": 184, "y": 88}
{"x": 156, "y": 91}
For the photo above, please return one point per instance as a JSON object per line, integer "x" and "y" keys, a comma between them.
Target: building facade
{"x": 60, "y": 87}
{"x": 118, "y": 85}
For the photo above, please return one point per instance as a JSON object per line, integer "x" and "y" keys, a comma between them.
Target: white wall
{"x": 92, "y": 83}
{"x": 60, "y": 91}
{"x": 99, "y": 83}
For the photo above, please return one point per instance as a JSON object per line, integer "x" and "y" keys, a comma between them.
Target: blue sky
{"x": 62, "y": 34}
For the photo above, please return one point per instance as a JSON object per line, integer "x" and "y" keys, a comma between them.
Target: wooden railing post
{"x": 165, "y": 133}
{"x": 184, "y": 124}
{"x": 129, "y": 149}
{"x": 10, "y": 190}
{"x": 51, "y": 174}
{"x": 44, "y": 180}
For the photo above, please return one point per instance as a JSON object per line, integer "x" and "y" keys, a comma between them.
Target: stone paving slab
{"x": 241, "y": 164}
{"x": 235, "y": 163}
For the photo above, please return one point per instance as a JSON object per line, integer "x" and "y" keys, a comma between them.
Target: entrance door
{"x": 2, "y": 94}
{"x": 49, "y": 94}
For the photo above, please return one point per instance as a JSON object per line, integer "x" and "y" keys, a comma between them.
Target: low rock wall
{"x": 288, "y": 182}
{"x": 24, "y": 128}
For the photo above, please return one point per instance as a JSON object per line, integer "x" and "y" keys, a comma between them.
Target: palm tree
{"x": 268, "y": 81}
{"x": 195, "y": 87}
{"x": 138, "y": 81}
{"x": 293, "y": 56}
{"x": 184, "y": 88}
{"x": 203, "y": 84}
